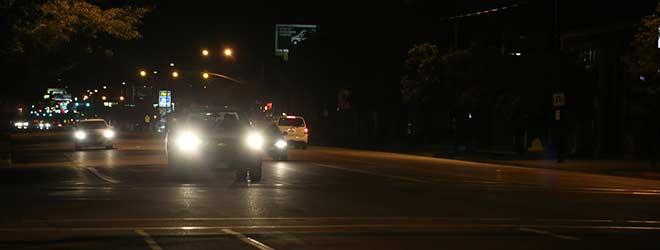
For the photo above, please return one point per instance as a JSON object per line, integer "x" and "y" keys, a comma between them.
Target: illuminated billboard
{"x": 165, "y": 99}
{"x": 288, "y": 36}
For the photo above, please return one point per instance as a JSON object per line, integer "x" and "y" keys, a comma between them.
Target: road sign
{"x": 558, "y": 99}
{"x": 290, "y": 35}
{"x": 164, "y": 98}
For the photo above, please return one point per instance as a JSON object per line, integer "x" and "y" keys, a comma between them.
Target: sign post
{"x": 559, "y": 101}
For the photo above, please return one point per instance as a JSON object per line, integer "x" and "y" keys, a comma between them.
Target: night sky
{"x": 176, "y": 30}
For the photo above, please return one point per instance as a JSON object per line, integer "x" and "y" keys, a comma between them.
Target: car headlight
{"x": 109, "y": 133}
{"x": 281, "y": 144}
{"x": 80, "y": 135}
{"x": 47, "y": 125}
{"x": 188, "y": 141}
{"x": 254, "y": 141}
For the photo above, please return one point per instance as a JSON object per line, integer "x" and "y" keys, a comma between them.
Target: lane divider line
{"x": 247, "y": 240}
{"x": 148, "y": 239}
{"x": 396, "y": 177}
{"x": 547, "y": 233}
{"x": 422, "y": 226}
{"x": 101, "y": 176}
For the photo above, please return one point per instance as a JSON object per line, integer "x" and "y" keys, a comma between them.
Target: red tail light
{"x": 306, "y": 131}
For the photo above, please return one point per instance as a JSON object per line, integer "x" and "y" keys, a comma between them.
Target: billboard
{"x": 289, "y": 35}
{"x": 165, "y": 99}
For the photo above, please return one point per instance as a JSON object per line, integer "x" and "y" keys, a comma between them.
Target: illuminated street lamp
{"x": 175, "y": 74}
{"x": 121, "y": 98}
{"x": 228, "y": 52}
{"x": 103, "y": 98}
{"x": 85, "y": 97}
{"x": 105, "y": 87}
{"x": 205, "y": 52}
{"x": 143, "y": 73}
{"x": 96, "y": 90}
{"x": 205, "y": 75}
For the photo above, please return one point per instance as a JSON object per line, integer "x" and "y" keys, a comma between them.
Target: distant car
{"x": 205, "y": 138}
{"x": 93, "y": 132}
{"x": 276, "y": 144}
{"x": 295, "y": 130}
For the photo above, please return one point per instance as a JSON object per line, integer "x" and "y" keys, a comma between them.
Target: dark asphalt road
{"x": 323, "y": 198}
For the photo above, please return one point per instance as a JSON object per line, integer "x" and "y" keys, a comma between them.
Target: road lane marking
{"x": 454, "y": 219}
{"x": 247, "y": 240}
{"x": 420, "y": 226}
{"x": 101, "y": 176}
{"x": 148, "y": 239}
{"x": 403, "y": 178}
{"x": 547, "y": 233}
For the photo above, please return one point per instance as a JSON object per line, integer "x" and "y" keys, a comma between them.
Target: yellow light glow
{"x": 85, "y": 97}
{"x": 175, "y": 74}
{"x": 205, "y": 52}
{"x": 205, "y": 75}
{"x": 103, "y": 98}
{"x": 121, "y": 98}
{"x": 143, "y": 73}
{"x": 228, "y": 52}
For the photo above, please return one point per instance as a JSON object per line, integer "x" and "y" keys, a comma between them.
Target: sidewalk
{"x": 610, "y": 166}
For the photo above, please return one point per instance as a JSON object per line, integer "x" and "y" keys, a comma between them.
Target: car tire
{"x": 241, "y": 174}
{"x": 255, "y": 173}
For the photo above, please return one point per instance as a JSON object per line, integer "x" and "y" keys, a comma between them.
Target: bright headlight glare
{"x": 255, "y": 141}
{"x": 188, "y": 141}
{"x": 109, "y": 133}
{"x": 280, "y": 144}
{"x": 80, "y": 135}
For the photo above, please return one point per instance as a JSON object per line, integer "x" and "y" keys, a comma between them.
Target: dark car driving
{"x": 214, "y": 138}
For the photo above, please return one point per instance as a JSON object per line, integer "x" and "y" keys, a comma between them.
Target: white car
{"x": 295, "y": 130}
{"x": 93, "y": 132}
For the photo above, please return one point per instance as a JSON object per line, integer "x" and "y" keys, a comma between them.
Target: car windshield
{"x": 293, "y": 122}
{"x": 92, "y": 125}
{"x": 216, "y": 120}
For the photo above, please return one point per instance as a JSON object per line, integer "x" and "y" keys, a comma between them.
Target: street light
{"x": 121, "y": 98}
{"x": 85, "y": 97}
{"x": 175, "y": 74}
{"x": 105, "y": 87}
{"x": 171, "y": 64}
{"x": 123, "y": 83}
{"x": 228, "y": 52}
{"x": 103, "y": 98}
{"x": 96, "y": 90}
{"x": 143, "y": 73}
{"x": 205, "y": 52}
{"x": 205, "y": 75}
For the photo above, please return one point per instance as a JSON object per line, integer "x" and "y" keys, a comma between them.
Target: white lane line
{"x": 247, "y": 240}
{"x": 470, "y": 219}
{"x": 101, "y": 176}
{"x": 547, "y": 233}
{"x": 396, "y": 177}
{"x": 420, "y": 226}
{"x": 148, "y": 239}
